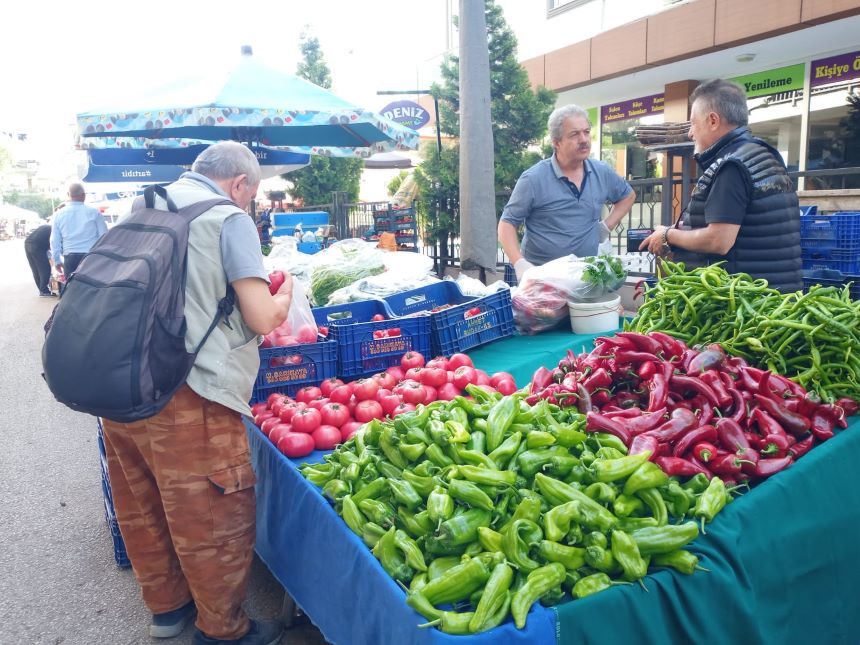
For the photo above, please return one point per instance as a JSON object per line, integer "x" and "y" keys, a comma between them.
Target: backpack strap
{"x": 149, "y": 194}
{"x": 225, "y": 308}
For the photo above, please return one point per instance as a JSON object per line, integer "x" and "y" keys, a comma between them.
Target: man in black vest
{"x": 743, "y": 209}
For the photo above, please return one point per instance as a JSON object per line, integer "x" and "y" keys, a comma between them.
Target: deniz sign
{"x": 406, "y": 113}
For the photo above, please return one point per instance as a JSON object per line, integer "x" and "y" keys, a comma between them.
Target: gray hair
{"x": 226, "y": 160}
{"x": 555, "y": 124}
{"x": 76, "y": 190}
{"x": 725, "y": 98}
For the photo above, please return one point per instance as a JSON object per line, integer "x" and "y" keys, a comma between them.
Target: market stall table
{"x": 782, "y": 558}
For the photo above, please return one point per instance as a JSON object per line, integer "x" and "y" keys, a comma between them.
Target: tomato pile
{"x": 321, "y": 417}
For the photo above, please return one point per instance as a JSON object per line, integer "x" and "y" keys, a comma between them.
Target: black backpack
{"x": 115, "y": 344}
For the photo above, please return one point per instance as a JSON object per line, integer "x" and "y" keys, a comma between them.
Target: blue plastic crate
{"x": 832, "y": 278}
{"x": 288, "y": 369}
{"x": 309, "y": 247}
{"x": 454, "y": 329}
{"x": 359, "y": 353}
{"x": 119, "y": 552}
{"x": 308, "y": 219}
{"x": 844, "y": 261}
{"x": 825, "y": 234}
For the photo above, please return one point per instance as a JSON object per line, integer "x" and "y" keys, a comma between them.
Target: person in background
{"x": 743, "y": 209}
{"x": 559, "y": 200}
{"x": 36, "y": 246}
{"x": 182, "y": 480}
{"x": 76, "y": 228}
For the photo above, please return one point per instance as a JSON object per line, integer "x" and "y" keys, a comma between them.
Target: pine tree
{"x": 519, "y": 119}
{"x": 315, "y": 183}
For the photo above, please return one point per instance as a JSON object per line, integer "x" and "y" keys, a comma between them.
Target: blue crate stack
{"x": 402, "y": 222}
{"x": 288, "y": 369}
{"x": 831, "y": 241}
{"x": 119, "y": 553}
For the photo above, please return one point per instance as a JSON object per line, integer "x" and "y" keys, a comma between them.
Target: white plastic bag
{"x": 342, "y": 264}
{"x": 299, "y": 325}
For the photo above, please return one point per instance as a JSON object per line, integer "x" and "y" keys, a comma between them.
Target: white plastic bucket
{"x": 595, "y": 317}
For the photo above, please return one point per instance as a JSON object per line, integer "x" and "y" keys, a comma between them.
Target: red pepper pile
{"x": 696, "y": 410}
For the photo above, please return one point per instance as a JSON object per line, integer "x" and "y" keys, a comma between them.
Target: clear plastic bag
{"x": 299, "y": 326}
{"x": 342, "y": 264}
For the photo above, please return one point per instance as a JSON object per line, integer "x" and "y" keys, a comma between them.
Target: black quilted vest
{"x": 768, "y": 242}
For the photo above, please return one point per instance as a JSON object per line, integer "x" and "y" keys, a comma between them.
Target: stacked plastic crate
{"x": 402, "y": 222}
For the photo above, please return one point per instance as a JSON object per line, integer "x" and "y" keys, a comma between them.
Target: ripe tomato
{"x": 379, "y": 333}
{"x": 326, "y": 437}
{"x": 411, "y": 359}
{"x": 262, "y": 416}
{"x": 268, "y": 424}
{"x": 389, "y": 402}
{"x": 368, "y": 410}
{"x": 308, "y": 393}
{"x": 323, "y": 331}
{"x": 278, "y": 431}
{"x": 259, "y": 407}
{"x": 414, "y": 374}
{"x": 396, "y": 372}
{"x": 348, "y": 429}
{"x": 393, "y": 332}
{"x": 365, "y": 389}
{"x": 459, "y": 360}
{"x": 318, "y": 402}
{"x": 500, "y": 376}
{"x": 289, "y": 409}
{"x": 340, "y": 394}
{"x": 275, "y": 396}
{"x": 267, "y": 342}
{"x": 385, "y": 380}
{"x": 307, "y": 334}
{"x": 403, "y": 408}
{"x": 430, "y": 394}
{"x": 377, "y": 317}
{"x": 447, "y": 392}
{"x": 306, "y": 420}
{"x": 329, "y": 384}
{"x": 483, "y": 377}
{"x": 414, "y": 393}
{"x": 276, "y": 279}
{"x": 433, "y": 376}
{"x": 296, "y": 445}
{"x": 440, "y": 361}
{"x": 464, "y": 376}
{"x": 506, "y": 386}
{"x": 334, "y": 414}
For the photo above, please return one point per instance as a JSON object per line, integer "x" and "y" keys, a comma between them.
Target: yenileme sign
{"x": 774, "y": 81}
{"x": 835, "y": 69}
{"x": 406, "y": 113}
{"x": 633, "y": 109}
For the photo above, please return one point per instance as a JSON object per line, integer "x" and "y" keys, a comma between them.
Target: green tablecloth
{"x": 783, "y": 558}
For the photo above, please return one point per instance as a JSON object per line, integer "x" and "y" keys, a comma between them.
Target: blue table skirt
{"x": 334, "y": 577}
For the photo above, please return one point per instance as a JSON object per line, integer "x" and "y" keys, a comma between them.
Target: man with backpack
{"x": 182, "y": 480}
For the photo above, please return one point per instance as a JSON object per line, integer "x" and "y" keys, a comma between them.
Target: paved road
{"x": 58, "y": 580}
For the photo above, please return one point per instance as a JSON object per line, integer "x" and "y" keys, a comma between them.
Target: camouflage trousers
{"x": 183, "y": 490}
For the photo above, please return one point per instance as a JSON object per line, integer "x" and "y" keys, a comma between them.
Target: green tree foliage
{"x": 42, "y": 204}
{"x": 394, "y": 184}
{"x": 315, "y": 183}
{"x": 519, "y": 120}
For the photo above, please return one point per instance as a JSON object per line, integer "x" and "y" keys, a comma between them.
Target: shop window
{"x": 620, "y": 149}
{"x": 834, "y": 134}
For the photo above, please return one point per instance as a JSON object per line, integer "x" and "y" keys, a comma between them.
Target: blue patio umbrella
{"x": 253, "y": 104}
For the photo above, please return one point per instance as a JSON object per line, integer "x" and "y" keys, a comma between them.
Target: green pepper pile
{"x": 484, "y": 507}
{"x": 812, "y": 338}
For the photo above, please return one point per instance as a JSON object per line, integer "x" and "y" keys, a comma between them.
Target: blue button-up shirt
{"x": 559, "y": 218}
{"x": 75, "y": 229}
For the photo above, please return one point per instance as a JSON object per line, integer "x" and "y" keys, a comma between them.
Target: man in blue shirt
{"x": 76, "y": 228}
{"x": 559, "y": 200}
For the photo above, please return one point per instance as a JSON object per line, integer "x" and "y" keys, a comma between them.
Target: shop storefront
{"x": 618, "y": 145}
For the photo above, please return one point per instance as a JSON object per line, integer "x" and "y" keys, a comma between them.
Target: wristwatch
{"x": 666, "y": 248}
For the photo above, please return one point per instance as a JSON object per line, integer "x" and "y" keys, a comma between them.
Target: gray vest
{"x": 226, "y": 367}
{"x": 768, "y": 242}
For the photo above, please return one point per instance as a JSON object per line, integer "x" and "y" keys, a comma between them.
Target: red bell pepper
{"x": 774, "y": 445}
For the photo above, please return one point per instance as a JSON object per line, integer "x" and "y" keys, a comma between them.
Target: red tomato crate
{"x": 288, "y": 369}
{"x": 462, "y": 322}
{"x": 366, "y": 346}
